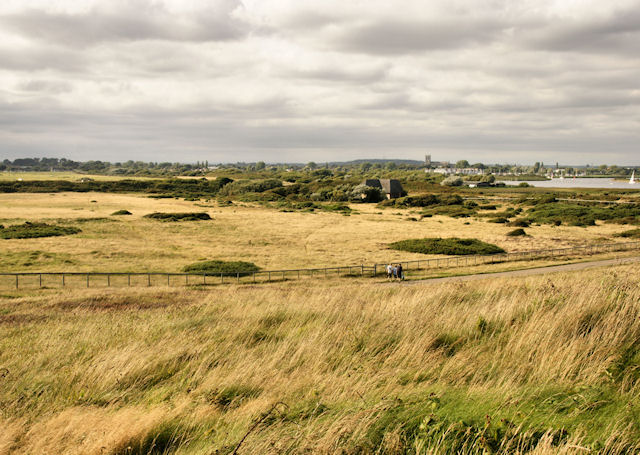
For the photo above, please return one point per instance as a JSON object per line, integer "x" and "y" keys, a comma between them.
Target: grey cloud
{"x": 41, "y": 58}
{"x": 618, "y": 33}
{"x": 40, "y": 86}
{"x": 397, "y": 38}
{"x": 342, "y": 74}
{"x": 149, "y": 22}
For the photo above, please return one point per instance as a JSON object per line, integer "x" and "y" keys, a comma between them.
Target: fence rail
{"x": 124, "y": 279}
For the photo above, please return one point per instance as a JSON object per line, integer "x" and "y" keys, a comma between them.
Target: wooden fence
{"x": 123, "y": 279}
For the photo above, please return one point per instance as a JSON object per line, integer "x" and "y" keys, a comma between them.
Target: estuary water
{"x": 579, "y": 183}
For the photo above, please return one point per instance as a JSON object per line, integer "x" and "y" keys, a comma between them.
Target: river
{"x": 579, "y": 183}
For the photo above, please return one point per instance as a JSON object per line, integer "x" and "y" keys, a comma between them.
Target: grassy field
{"x": 545, "y": 364}
{"x": 243, "y": 231}
{"x": 61, "y": 175}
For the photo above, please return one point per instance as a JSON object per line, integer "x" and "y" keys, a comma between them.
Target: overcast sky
{"x": 324, "y": 80}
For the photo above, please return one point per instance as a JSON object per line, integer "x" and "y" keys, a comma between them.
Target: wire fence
{"x": 30, "y": 280}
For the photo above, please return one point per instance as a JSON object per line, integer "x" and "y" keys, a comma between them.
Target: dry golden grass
{"x": 270, "y": 239}
{"x": 376, "y": 369}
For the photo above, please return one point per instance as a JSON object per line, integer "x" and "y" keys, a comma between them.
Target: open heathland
{"x": 243, "y": 231}
{"x": 527, "y": 365}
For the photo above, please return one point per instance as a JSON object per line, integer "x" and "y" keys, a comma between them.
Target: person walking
{"x": 400, "y": 272}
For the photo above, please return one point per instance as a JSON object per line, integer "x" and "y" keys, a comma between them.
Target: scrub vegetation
{"x": 190, "y": 216}
{"x": 30, "y": 230}
{"x": 217, "y": 267}
{"x": 542, "y": 365}
{"x": 449, "y": 246}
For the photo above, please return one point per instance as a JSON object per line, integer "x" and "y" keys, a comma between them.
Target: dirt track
{"x": 527, "y": 272}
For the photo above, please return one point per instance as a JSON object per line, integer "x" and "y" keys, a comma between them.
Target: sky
{"x": 496, "y": 81}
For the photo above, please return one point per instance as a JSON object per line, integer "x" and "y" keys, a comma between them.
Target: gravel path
{"x": 528, "y": 272}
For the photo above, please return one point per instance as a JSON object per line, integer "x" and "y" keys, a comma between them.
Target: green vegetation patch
{"x": 583, "y": 214}
{"x": 121, "y": 212}
{"x": 450, "y": 246}
{"x": 516, "y": 233}
{"x": 186, "y": 216}
{"x": 33, "y": 230}
{"x": 227, "y": 268}
{"x": 632, "y": 233}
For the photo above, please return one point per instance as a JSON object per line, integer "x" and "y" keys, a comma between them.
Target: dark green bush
{"x": 226, "y": 268}
{"x": 633, "y": 233}
{"x": 33, "y": 230}
{"x": 516, "y": 233}
{"x": 187, "y": 216}
{"x": 454, "y": 211}
{"x": 519, "y": 223}
{"x": 450, "y": 246}
{"x": 121, "y": 212}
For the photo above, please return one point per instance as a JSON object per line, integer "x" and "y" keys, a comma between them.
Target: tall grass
{"x": 529, "y": 365}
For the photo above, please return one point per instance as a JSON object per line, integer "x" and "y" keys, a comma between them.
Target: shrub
{"x": 519, "y": 223}
{"x": 516, "y": 233}
{"x": 226, "y": 268}
{"x": 499, "y": 219}
{"x": 363, "y": 193}
{"x": 187, "y": 216}
{"x": 452, "y": 181}
{"x": 121, "y": 212}
{"x": 33, "y": 230}
{"x": 454, "y": 211}
{"x": 451, "y": 246}
{"x": 633, "y": 233}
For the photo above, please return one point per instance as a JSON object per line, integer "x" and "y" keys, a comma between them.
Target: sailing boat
{"x": 632, "y": 180}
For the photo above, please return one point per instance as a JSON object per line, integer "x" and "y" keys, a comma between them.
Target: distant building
{"x": 455, "y": 171}
{"x": 391, "y": 188}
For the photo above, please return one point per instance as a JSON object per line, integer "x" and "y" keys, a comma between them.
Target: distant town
{"x": 539, "y": 170}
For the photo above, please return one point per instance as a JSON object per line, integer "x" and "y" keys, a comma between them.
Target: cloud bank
{"x": 284, "y": 80}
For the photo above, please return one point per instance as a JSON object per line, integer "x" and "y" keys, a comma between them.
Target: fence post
{"x": 269, "y": 276}
{"x": 204, "y": 278}
{"x": 221, "y": 278}
{"x": 168, "y": 281}
{"x": 108, "y": 280}
{"x": 16, "y": 281}
{"x": 362, "y": 270}
{"x": 375, "y": 269}
{"x": 148, "y": 279}
{"x": 128, "y": 279}
{"x": 238, "y": 276}
{"x": 41, "y": 280}
{"x": 87, "y": 280}
{"x": 63, "y": 280}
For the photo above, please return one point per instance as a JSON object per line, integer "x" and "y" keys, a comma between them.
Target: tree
{"x": 462, "y": 164}
{"x": 260, "y": 166}
{"x": 489, "y": 178}
{"x": 311, "y": 165}
{"x": 452, "y": 180}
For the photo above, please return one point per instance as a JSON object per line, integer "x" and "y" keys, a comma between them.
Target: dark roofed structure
{"x": 390, "y": 187}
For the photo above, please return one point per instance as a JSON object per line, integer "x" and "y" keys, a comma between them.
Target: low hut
{"x": 391, "y": 188}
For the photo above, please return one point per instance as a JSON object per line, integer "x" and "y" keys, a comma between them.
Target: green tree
{"x": 462, "y": 164}
{"x": 260, "y": 166}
